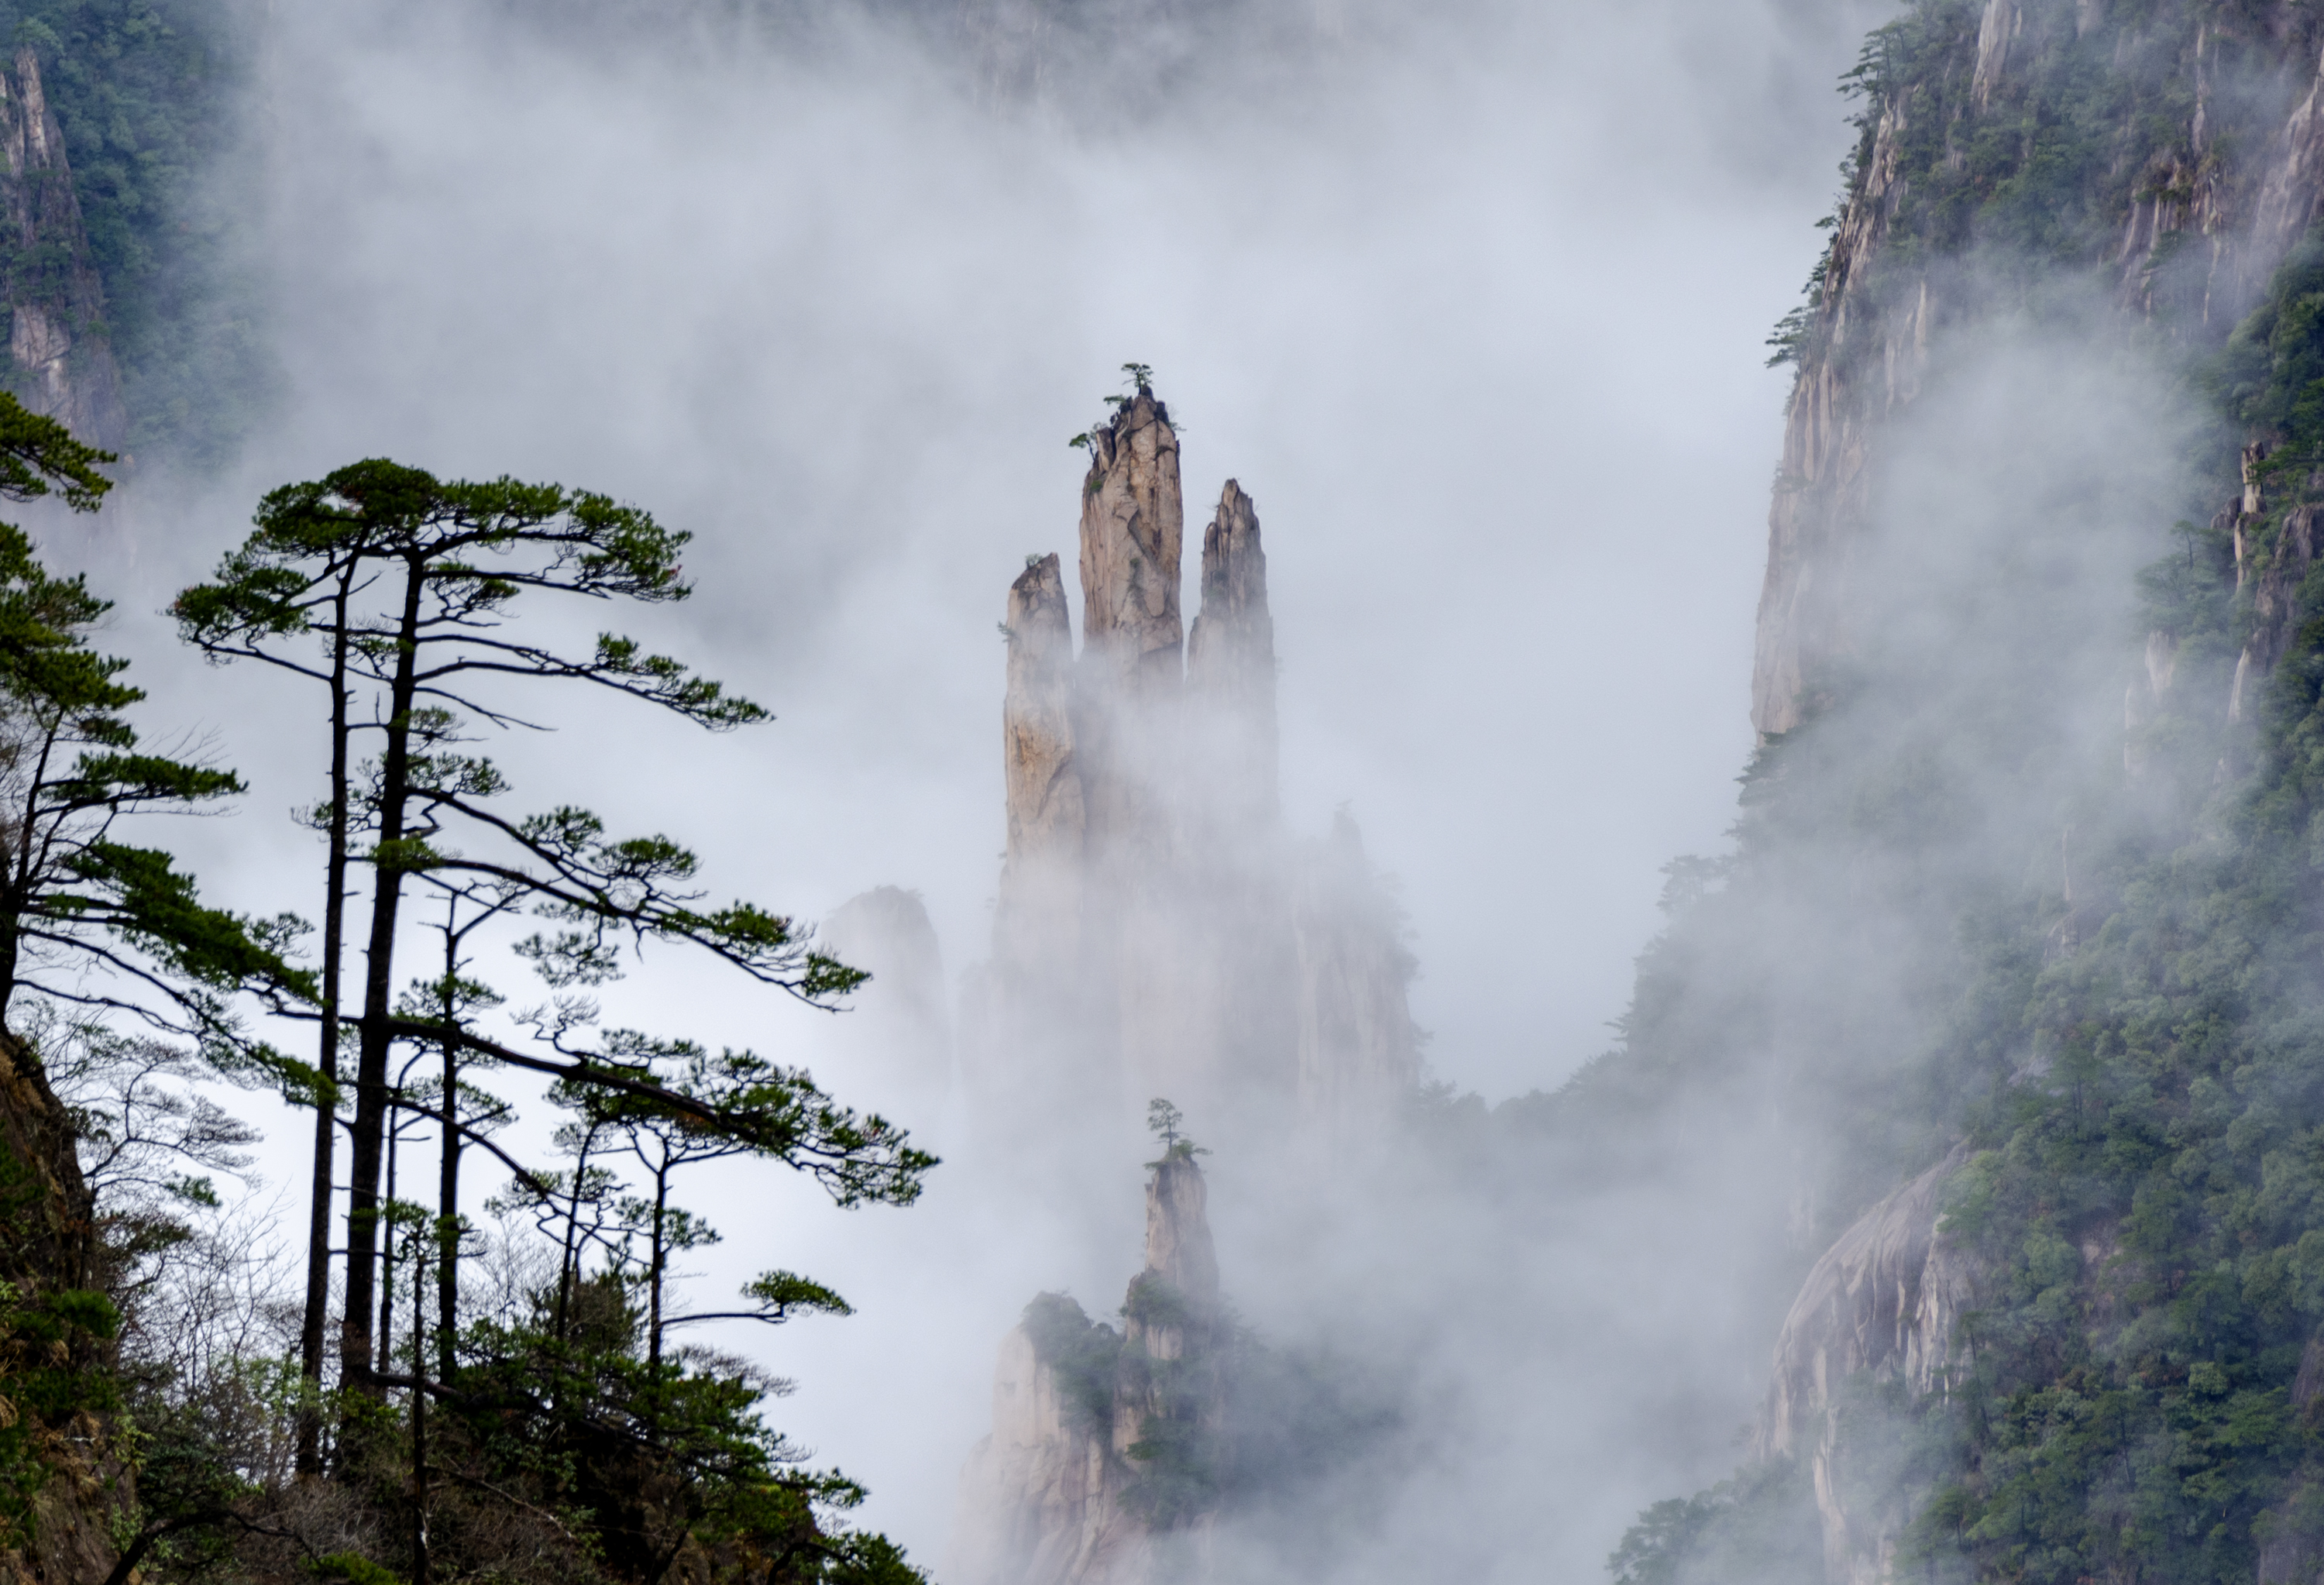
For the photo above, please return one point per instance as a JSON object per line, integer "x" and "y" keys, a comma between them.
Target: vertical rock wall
{"x": 57, "y": 337}
{"x": 1883, "y": 1305}
{"x": 1231, "y": 672}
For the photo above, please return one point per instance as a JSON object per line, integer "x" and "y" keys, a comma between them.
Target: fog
{"x": 1470, "y": 298}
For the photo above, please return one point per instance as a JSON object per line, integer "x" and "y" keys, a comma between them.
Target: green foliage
{"x": 656, "y": 1460}
{"x": 71, "y": 769}
{"x": 2032, "y": 185}
{"x": 1762, "y": 1524}
{"x": 354, "y": 1569}
{"x": 1083, "y": 1356}
{"x": 52, "y": 1375}
{"x": 146, "y": 91}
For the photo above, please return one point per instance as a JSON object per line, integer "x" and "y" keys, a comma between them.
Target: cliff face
{"x": 1156, "y": 932}
{"x": 2216, "y": 182}
{"x": 2176, "y": 217}
{"x": 1883, "y": 1306}
{"x": 1094, "y": 1431}
{"x": 57, "y": 337}
{"x": 59, "y": 1457}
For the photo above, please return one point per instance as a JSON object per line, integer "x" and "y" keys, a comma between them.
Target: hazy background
{"x": 1470, "y": 298}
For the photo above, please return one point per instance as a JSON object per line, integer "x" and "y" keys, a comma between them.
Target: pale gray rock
{"x": 1154, "y": 932}
{"x": 1231, "y": 669}
{"x": 1048, "y": 1497}
{"x": 56, "y": 334}
{"x": 1040, "y": 879}
{"x": 1885, "y": 1303}
{"x": 1133, "y": 521}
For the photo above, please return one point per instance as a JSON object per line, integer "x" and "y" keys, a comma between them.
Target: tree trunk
{"x": 447, "y": 1183}
{"x": 367, "y": 1136}
{"x": 316, "y": 1316}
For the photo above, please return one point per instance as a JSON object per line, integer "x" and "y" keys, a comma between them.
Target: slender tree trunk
{"x": 387, "y": 1265}
{"x": 419, "y": 1419}
{"x": 364, "y": 1145}
{"x": 568, "y": 1265}
{"x": 447, "y": 1183}
{"x": 23, "y": 863}
{"x": 320, "y": 1189}
{"x": 653, "y": 1272}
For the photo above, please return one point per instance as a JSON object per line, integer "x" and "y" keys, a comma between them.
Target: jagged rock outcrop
{"x": 1231, "y": 672}
{"x": 73, "y": 1479}
{"x": 1077, "y": 1483}
{"x": 1154, "y": 931}
{"x": 2219, "y": 204}
{"x": 1133, "y": 523}
{"x": 56, "y": 337}
{"x": 1884, "y": 1304}
{"x": 1044, "y": 793}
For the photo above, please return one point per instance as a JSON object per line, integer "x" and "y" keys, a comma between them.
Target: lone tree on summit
{"x": 393, "y": 592}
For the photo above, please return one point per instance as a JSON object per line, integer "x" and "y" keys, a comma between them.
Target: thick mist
{"x": 1470, "y": 299}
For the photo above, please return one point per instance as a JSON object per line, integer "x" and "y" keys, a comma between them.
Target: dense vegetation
{"x": 150, "y": 93}
{"x": 2106, "y": 971}
{"x": 518, "y": 1401}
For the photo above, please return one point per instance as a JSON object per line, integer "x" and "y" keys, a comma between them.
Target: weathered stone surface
{"x": 1040, "y": 878}
{"x": 52, "y": 1246}
{"x": 2186, "y": 250}
{"x": 1231, "y": 671}
{"x": 1034, "y": 1501}
{"x": 1885, "y": 1302}
{"x": 1144, "y": 941}
{"x": 1178, "y": 1248}
{"x": 1133, "y": 521}
{"x": 57, "y": 334}
{"x": 1049, "y": 1499}
{"x": 1996, "y": 31}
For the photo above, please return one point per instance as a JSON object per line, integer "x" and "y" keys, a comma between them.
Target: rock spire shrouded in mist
{"x": 1156, "y": 931}
{"x": 1071, "y": 1487}
{"x": 56, "y": 335}
{"x": 1231, "y": 668}
{"x": 1133, "y": 521}
{"x": 897, "y": 1032}
{"x": 1047, "y": 823}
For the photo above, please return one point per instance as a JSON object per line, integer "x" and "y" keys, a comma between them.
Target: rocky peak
{"x": 1133, "y": 521}
{"x": 1063, "y": 1491}
{"x": 1178, "y": 1248}
{"x": 1044, "y": 794}
{"x": 1144, "y": 938}
{"x": 1356, "y": 1044}
{"x": 1231, "y": 669}
{"x": 1232, "y": 650}
{"x": 897, "y": 1030}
